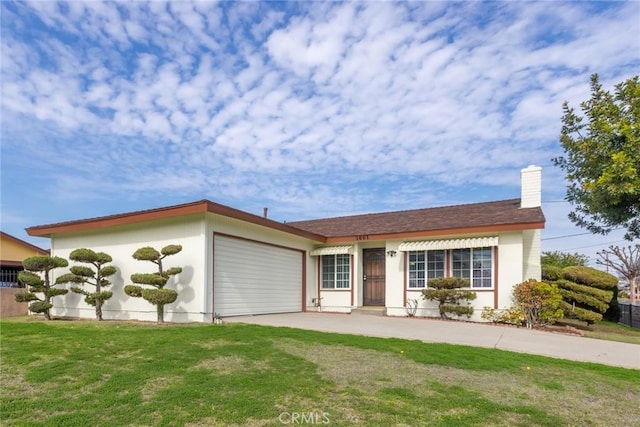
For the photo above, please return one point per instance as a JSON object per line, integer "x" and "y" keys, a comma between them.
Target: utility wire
{"x": 591, "y": 246}
{"x": 574, "y": 235}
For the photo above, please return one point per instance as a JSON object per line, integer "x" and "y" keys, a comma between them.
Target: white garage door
{"x": 255, "y": 278}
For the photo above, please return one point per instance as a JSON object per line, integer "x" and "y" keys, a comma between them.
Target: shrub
{"x": 511, "y": 316}
{"x": 447, "y": 291}
{"x": 590, "y": 277}
{"x": 36, "y": 276}
{"x": 575, "y": 312}
{"x": 94, "y": 276}
{"x": 551, "y": 273}
{"x": 157, "y": 294}
{"x": 539, "y": 302}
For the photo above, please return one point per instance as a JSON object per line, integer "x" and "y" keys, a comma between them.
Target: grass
{"x": 606, "y": 331}
{"x": 69, "y": 373}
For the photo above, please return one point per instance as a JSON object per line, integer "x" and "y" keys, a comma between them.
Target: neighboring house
{"x": 12, "y": 252}
{"x": 236, "y": 263}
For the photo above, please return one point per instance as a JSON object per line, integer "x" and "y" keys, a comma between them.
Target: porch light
{"x": 391, "y": 254}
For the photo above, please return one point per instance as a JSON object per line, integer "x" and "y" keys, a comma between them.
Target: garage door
{"x": 255, "y": 278}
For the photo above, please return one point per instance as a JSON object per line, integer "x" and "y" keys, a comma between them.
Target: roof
{"x": 487, "y": 217}
{"x": 201, "y": 206}
{"x": 23, "y": 243}
{"x": 500, "y": 215}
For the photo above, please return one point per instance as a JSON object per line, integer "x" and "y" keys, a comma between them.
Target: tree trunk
{"x": 98, "y": 300}
{"x": 46, "y": 313}
{"x": 160, "y": 313}
{"x": 99, "y": 310}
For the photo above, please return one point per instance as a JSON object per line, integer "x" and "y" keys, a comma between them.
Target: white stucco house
{"x": 236, "y": 263}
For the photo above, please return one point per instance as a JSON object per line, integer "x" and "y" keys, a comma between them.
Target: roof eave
{"x": 440, "y": 232}
{"x": 203, "y": 206}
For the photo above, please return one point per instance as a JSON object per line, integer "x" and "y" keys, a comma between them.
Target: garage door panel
{"x": 255, "y": 278}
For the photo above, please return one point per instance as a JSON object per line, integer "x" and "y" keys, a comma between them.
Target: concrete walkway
{"x": 473, "y": 334}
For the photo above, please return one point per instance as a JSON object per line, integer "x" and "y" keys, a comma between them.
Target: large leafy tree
{"x": 95, "y": 276}
{"x": 563, "y": 259}
{"x": 157, "y": 294}
{"x": 602, "y": 158}
{"x": 37, "y": 276}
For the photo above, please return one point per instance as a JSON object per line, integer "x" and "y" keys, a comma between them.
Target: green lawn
{"x": 77, "y": 373}
{"x": 606, "y": 330}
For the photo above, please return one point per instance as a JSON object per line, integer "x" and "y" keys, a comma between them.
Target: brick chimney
{"x": 531, "y": 187}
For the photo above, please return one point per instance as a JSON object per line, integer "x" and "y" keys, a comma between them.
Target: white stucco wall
{"x": 510, "y": 272}
{"x": 121, "y": 242}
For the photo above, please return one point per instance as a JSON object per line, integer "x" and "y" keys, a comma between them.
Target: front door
{"x": 373, "y": 280}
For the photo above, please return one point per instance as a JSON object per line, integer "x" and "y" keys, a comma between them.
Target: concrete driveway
{"x": 473, "y": 334}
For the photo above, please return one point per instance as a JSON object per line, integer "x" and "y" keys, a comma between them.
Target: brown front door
{"x": 374, "y": 268}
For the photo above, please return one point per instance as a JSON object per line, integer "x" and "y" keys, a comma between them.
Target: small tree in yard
{"x": 447, "y": 291}
{"x": 33, "y": 267}
{"x": 157, "y": 295}
{"x": 587, "y": 293}
{"x": 539, "y": 301}
{"x": 96, "y": 277}
{"x": 625, "y": 262}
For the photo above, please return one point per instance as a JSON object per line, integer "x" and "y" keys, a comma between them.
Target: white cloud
{"x": 302, "y": 104}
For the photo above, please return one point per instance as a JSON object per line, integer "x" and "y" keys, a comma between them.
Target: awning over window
{"x": 332, "y": 250}
{"x": 430, "y": 245}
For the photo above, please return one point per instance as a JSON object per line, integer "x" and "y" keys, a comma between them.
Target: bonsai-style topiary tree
{"x": 33, "y": 268}
{"x": 447, "y": 291}
{"x": 96, "y": 277}
{"x": 539, "y": 301}
{"x": 157, "y": 295}
{"x": 586, "y": 292}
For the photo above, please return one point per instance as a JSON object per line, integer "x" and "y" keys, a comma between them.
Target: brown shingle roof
{"x": 476, "y": 217}
{"x": 504, "y": 214}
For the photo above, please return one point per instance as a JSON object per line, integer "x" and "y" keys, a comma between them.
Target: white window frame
{"x": 476, "y": 270}
{"x": 337, "y": 277}
{"x": 422, "y": 275}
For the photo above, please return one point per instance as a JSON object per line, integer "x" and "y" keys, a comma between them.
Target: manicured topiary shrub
{"x": 95, "y": 276}
{"x": 36, "y": 276}
{"x": 587, "y": 293}
{"x": 157, "y": 295}
{"x": 447, "y": 291}
{"x": 590, "y": 277}
{"x": 551, "y": 273}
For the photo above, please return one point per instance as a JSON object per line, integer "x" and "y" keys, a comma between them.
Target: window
{"x": 476, "y": 265}
{"x": 336, "y": 271}
{"x": 425, "y": 265}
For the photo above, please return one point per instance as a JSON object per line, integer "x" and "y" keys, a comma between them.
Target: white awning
{"x": 332, "y": 250}
{"x": 430, "y": 245}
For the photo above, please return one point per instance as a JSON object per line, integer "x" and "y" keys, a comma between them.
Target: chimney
{"x": 264, "y": 212}
{"x": 531, "y": 187}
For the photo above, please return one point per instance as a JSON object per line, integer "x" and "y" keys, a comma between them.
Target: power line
{"x": 574, "y": 235}
{"x": 564, "y": 237}
{"x": 591, "y": 246}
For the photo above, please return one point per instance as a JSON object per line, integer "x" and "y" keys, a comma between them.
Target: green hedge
{"x": 590, "y": 277}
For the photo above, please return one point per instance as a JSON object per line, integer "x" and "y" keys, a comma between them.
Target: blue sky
{"x": 312, "y": 109}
